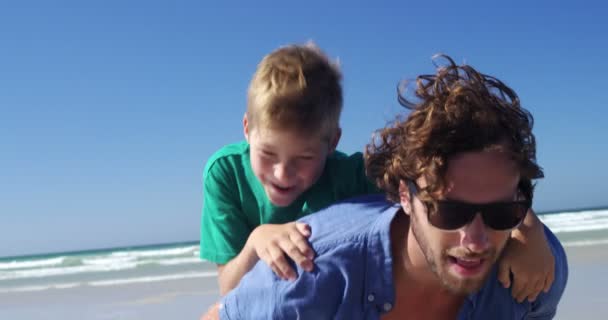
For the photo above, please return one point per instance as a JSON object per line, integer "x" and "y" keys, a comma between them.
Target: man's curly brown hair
{"x": 458, "y": 110}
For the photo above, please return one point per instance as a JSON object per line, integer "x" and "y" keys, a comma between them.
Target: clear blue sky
{"x": 109, "y": 109}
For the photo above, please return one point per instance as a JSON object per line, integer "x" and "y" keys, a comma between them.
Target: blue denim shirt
{"x": 352, "y": 278}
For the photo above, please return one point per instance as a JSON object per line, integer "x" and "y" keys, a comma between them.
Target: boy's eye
{"x": 267, "y": 154}
{"x": 306, "y": 158}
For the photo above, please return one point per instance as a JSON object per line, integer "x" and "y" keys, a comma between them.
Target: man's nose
{"x": 475, "y": 235}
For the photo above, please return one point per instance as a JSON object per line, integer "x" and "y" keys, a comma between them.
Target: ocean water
{"x": 101, "y": 268}
{"x": 119, "y": 266}
{"x": 579, "y": 227}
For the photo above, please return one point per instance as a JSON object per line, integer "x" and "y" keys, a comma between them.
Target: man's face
{"x": 286, "y": 163}
{"x": 463, "y": 258}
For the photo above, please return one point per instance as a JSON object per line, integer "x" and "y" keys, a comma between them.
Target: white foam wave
{"x": 31, "y": 263}
{"x": 576, "y": 221}
{"x": 156, "y": 253}
{"x": 176, "y": 261}
{"x": 162, "y": 262}
{"x": 102, "y": 264}
{"x": 108, "y": 260}
{"x": 47, "y": 272}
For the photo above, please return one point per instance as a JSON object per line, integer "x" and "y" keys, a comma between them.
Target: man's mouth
{"x": 466, "y": 266}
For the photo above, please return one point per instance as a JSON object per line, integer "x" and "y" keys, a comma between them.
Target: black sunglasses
{"x": 452, "y": 214}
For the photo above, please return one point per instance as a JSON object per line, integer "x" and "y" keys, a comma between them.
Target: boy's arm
{"x": 545, "y": 306}
{"x": 529, "y": 257}
{"x": 230, "y": 274}
{"x": 229, "y": 240}
{"x": 213, "y": 313}
{"x": 224, "y": 226}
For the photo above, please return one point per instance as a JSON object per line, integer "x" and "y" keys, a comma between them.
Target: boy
{"x": 287, "y": 168}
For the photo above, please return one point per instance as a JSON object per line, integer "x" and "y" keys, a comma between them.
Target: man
{"x": 457, "y": 174}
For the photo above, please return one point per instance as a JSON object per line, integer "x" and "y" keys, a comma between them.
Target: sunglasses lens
{"x": 505, "y": 216}
{"x": 451, "y": 215}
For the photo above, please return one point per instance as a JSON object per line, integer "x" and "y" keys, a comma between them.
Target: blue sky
{"x": 109, "y": 109}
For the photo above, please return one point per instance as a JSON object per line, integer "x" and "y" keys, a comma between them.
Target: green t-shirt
{"x": 234, "y": 200}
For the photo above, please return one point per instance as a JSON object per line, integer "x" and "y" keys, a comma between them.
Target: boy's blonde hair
{"x": 296, "y": 88}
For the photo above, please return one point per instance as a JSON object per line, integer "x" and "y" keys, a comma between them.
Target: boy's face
{"x": 285, "y": 162}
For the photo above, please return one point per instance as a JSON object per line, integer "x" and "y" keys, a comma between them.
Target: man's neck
{"x": 418, "y": 292}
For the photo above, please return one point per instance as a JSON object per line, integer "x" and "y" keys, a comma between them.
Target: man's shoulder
{"x": 230, "y": 154}
{"x": 349, "y": 220}
{"x": 351, "y": 242}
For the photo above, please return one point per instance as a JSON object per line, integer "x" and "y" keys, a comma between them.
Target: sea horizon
{"x": 141, "y": 246}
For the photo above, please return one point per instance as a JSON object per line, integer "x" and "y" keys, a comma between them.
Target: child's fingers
{"x": 519, "y": 290}
{"x": 504, "y": 275}
{"x": 538, "y": 287}
{"x": 264, "y": 255}
{"x": 280, "y": 263}
{"x": 290, "y": 248}
{"x": 515, "y": 293}
{"x": 302, "y": 244}
{"x": 303, "y": 228}
{"x": 533, "y": 297}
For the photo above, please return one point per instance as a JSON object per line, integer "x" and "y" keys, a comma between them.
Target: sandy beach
{"x": 188, "y": 298}
{"x": 174, "y": 299}
{"x": 585, "y": 296}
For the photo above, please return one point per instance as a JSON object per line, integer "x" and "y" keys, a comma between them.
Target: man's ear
{"x": 246, "y": 127}
{"x": 333, "y": 143}
{"x": 404, "y": 197}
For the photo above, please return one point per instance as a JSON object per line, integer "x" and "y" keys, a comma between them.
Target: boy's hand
{"x": 528, "y": 256}
{"x": 272, "y": 241}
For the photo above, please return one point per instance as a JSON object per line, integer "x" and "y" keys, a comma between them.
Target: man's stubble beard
{"x": 451, "y": 283}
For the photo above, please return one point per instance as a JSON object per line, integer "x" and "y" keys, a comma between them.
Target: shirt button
{"x": 371, "y": 298}
{"x": 387, "y": 306}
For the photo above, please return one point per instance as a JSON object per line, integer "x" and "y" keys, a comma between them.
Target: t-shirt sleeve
{"x": 261, "y": 295}
{"x": 224, "y": 227}
{"x": 545, "y": 306}
{"x": 350, "y": 177}
{"x": 369, "y": 186}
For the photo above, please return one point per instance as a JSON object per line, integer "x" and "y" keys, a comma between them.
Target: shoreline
{"x": 189, "y": 298}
